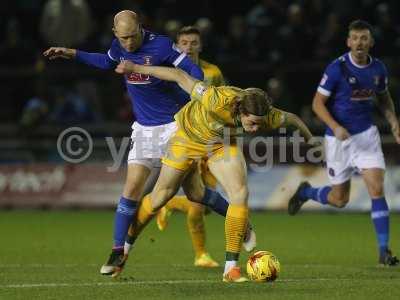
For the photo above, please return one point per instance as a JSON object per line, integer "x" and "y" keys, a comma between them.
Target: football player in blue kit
{"x": 344, "y": 102}
{"x": 154, "y": 102}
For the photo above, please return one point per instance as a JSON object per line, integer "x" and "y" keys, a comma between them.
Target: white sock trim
{"x": 229, "y": 264}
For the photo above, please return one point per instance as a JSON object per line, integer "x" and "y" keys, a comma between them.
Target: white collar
{"x": 357, "y": 65}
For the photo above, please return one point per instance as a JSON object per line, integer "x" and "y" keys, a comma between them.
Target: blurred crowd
{"x": 267, "y": 42}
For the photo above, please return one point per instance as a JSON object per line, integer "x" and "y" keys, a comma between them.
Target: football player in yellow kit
{"x": 188, "y": 40}
{"x": 214, "y": 115}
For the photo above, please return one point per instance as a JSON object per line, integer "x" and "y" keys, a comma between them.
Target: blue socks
{"x": 379, "y": 212}
{"x": 380, "y": 218}
{"x": 215, "y": 201}
{"x": 123, "y": 218}
{"x": 317, "y": 194}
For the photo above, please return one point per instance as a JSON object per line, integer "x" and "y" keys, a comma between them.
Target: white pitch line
{"x": 161, "y": 282}
{"x": 153, "y": 282}
{"x": 36, "y": 265}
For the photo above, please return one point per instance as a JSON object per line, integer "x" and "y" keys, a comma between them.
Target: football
{"x": 263, "y": 266}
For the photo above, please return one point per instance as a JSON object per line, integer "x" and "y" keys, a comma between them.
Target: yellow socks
{"x": 144, "y": 215}
{"x": 235, "y": 228}
{"x": 195, "y": 222}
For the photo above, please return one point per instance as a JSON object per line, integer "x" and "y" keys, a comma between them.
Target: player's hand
{"x": 125, "y": 67}
{"x": 341, "y": 133}
{"x": 396, "y": 132}
{"x": 59, "y": 52}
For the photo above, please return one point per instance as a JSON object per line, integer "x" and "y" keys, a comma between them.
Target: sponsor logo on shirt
{"x": 362, "y": 95}
{"x": 137, "y": 78}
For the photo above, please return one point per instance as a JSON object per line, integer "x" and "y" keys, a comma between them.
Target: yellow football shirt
{"x": 212, "y": 74}
{"x": 204, "y": 118}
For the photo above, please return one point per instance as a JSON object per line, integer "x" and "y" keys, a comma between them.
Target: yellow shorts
{"x": 206, "y": 175}
{"x": 182, "y": 152}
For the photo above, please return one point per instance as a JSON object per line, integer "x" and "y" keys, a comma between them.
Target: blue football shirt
{"x": 351, "y": 89}
{"x": 154, "y": 101}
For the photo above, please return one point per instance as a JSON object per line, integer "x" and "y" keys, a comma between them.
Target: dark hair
{"x": 254, "y": 101}
{"x": 360, "y": 25}
{"x": 187, "y": 30}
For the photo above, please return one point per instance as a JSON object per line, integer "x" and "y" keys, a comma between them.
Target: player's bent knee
{"x": 133, "y": 189}
{"x": 193, "y": 196}
{"x": 340, "y": 201}
{"x": 239, "y": 195}
{"x": 376, "y": 191}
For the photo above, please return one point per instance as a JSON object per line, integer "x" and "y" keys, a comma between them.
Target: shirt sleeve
{"x": 214, "y": 98}
{"x": 383, "y": 80}
{"x": 98, "y": 60}
{"x": 114, "y": 53}
{"x": 169, "y": 52}
{"x": 329, "y": 80}
{"x": 275, "y": 118}
{"x": 171, "y": 55}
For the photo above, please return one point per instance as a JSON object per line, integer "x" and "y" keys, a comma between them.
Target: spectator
{"x": 235, "y": 44}
{"x": 66, "y": 22}
{"x": 71, "y": 108}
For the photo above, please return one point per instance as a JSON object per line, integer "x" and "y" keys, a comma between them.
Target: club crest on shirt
{"x": 352, "y": 80}
{"x": 200, "y": 89}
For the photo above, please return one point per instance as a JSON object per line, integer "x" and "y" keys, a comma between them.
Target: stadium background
{"x": 281, "y": 46}
{"x": 55, "y": 250}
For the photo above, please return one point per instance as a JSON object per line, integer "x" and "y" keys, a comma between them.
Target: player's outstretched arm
{"x": 292, "y": 120}
{"x": 98, "y": 60}
{"x": 183, "y": 79}
{"x": 59, "y": 52}
{"x": 387, "y": 107}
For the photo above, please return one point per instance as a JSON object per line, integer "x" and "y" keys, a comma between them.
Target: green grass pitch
{"x": 57, "y": 255}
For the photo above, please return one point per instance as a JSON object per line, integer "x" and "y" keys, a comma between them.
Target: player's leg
{"x": 177, "y": 203}
{"x": 204, "y": 186}
{"x": 137, "y": 174}
{"x": 181, "y": 203}
{"x": 144, "y": 156}
{"x": 374, "y": 179}
{"x": 338, "y": 160}
{"x": 369, "y": 158}
{"x": 175, "y": 163}
{"x": 231, "y": 174}
{"x": 221, "y": 205}
{"x": 167, "y": 185}
{"x": 336, "y": 195}
{"x": 210, "y": 197}
{"x": 194, "y": 189}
